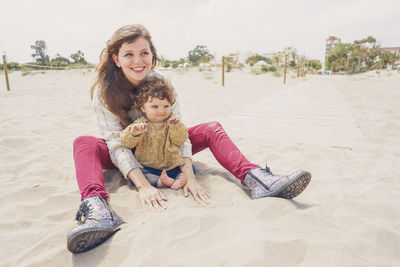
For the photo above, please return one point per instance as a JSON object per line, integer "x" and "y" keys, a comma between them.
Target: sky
{"x": 177, "y": 26}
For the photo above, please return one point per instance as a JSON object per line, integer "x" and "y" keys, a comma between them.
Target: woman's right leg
{"x": 96, "y": 220}
{"x": 91, "y": 156}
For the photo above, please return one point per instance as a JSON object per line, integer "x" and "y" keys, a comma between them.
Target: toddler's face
{"x": 157, "y": 110}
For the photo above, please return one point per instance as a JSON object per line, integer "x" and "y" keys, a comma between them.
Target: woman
{"x": 129, "y": 57}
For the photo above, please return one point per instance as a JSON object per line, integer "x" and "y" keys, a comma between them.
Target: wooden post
{"x": 5, "y": 72}
{"x": 284, "y": 72}
{"x": 298, "y": 70}
{"x": 223, "y": 71}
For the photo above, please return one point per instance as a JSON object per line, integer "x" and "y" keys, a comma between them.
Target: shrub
{"x": 277, "y": 74}
{"x": 11, "y": 66}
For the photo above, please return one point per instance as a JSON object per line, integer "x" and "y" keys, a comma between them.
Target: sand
{"x": 343, "y": 129}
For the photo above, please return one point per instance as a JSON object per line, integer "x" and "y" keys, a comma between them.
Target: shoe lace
{"x": 267, "y": 170}
{"x": 83, "y": 211}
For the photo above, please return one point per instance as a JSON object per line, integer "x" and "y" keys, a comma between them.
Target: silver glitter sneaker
{"x": 263, "y": 183}
{"x": 99, "y": 223}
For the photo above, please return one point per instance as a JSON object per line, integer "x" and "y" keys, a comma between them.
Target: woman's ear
{"x": 115, "y": 58}
{"x": 142, "y": 109}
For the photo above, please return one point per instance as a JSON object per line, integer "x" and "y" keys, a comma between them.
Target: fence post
{"x": 284, "y": 72}
{"x": 5, "y": 72}
{"x": 298, "y": 69}
{"x": 223, "y": 71}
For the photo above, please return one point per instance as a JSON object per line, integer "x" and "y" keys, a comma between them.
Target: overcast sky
{"x": 177, "y": 26}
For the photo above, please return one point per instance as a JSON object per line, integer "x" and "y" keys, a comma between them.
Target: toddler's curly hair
{"x": 155, "y": 86}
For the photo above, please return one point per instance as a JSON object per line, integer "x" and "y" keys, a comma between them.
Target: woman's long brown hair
{"x": 115, "y": 91}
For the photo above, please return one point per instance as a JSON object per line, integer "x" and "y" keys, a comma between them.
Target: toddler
{"x": 156, "y": 137}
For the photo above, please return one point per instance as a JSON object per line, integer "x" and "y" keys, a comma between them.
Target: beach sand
{"x": 343, "y": 129}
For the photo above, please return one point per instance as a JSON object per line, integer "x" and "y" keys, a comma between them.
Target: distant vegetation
{"x": 361, "y": 55}
{"x": 42, "y": 61}
{"x": 173, "y": 63}
{"x": 275, "y": 64}
{"x": 199, "y": 56}
{"x": 40, "y": 52}
{"x": 256, "y": 58}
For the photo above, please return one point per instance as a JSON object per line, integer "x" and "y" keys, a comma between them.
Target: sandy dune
{"x": 343, "y": 129}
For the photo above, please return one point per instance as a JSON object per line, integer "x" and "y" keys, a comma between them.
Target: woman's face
{"x": 135, "y": 60}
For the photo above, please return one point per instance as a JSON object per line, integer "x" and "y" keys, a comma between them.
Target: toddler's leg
{"x": 179, "y": 183}
{"x": 165, "y": 180}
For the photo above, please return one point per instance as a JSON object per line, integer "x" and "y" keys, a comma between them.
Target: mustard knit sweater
{"x": 159, "y": 147}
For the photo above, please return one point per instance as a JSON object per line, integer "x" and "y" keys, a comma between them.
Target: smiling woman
{"x": 126, "y": 63}
{"x": 130, "y": 47}
{"x": 135, "y": 60}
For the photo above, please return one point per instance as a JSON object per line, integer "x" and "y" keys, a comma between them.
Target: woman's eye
{"x": 128, "y": 54}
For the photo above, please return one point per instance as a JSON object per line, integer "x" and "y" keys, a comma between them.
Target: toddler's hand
{"x": 172, "y": 120}
{"x": 138, "y": 129}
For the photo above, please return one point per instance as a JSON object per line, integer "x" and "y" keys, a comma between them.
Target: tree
{"x": 276, "y": 60}
{"x": 60, "y": 61}
{"x": 360, "y": 56}
{"x": 387, "y": 59}
{"x": 357, "y": 57}
{"x": 254, "y": 59}
{"x": 338, "y": 58}
{"x": 229, "y": 63}
{"x": 166, "y": 64}
{"x": 363, "y": 54}
{"x": 315, "y": 64}
{"x": 199, "y": 54}
{"x": 78, "y": 58}
{"x": 294, "y": 61}
{"x": 40, "y": 52}
{"x": 11, "y": 66}
{"x": 369, "y": 39}
{"x": 181, "y": 62}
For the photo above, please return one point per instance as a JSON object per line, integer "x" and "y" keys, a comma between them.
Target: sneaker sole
{"x": 295, "y": 186}
{"x": 85, "y": 240}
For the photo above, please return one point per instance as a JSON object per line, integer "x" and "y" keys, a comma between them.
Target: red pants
{"x": 91, "y": 156}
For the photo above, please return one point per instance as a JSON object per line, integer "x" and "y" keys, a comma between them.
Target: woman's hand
{"x": 199, "y": 193}
{"x": 149, "y": 195}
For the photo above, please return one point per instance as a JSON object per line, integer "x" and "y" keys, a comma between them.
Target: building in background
{"x": 331, "y": 43}
{"x": 394, "y": 50}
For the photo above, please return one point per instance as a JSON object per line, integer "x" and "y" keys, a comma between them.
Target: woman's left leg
{"x": 212, "y": 135}
{"x": 261, "y": 182}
